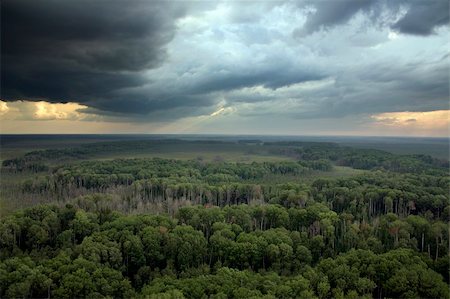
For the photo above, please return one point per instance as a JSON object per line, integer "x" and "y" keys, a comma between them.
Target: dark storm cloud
{"x": 61, "y": 81}
{"x": 332, "y": 13}
{"x": 139, "y": 104}
{"x": 102, "y": 35}
{"x": 82, "y": 51}
{"x": 273, "y": 77}
{"x": 96, "y": 53}
{"x": 162, "y": 110}
{"x": 111, "y": 55}
{"x": 421, "y": 18}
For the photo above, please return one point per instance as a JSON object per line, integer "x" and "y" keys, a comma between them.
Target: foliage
{"x": 164, "y": 228}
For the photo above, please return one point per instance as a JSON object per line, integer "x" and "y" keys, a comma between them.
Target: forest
{"x": 284, "y": 219}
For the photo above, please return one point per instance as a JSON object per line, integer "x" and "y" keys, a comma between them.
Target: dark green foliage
{"x": 159, "y": 228}
{"x": 277, "y": 252}
{"x": 360, "y": 158}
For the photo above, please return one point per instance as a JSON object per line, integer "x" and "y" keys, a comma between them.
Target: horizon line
{"x": 227, "y": 134}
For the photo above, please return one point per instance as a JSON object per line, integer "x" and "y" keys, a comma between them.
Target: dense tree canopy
{"x": 164, "y": 228}
{"x": 69, "y": 252}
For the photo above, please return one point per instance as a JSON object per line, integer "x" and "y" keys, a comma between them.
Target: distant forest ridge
{"x": 298, "y": 150}
{"x": 434, "y": 146}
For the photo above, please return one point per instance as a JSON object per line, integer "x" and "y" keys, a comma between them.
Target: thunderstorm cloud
{"x": 146, "y": 61}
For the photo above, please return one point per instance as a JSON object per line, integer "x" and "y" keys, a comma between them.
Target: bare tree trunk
{"x": 422, "y": 240}
{"x": 437, "y": 249}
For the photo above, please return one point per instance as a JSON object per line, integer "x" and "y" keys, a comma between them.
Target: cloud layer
{"x": 81, "y": 50}
{"x": 149, "y": 62}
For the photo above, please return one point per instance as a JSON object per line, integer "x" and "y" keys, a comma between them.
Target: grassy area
{"x": 228, "y": 152}
{"x": 208, "y": 155}
{"x": 16, "y": 145}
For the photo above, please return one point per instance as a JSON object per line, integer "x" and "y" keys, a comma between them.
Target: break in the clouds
{"x": 233, "y": 65}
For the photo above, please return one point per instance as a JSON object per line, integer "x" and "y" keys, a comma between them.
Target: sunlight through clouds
{"x": 48, "y": 111}
{"x": 3, "y": 108}
{"x": 25, "y": 110}
{"x": 425, "y": 119}
{"x": 415, "y": 123}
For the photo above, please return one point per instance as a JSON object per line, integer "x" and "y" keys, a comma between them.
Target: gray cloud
{"x": 423, "y": 17}
{"x": 384, "y": 87}
{"x": 272, "y": 76}
{"x": 136, "y": 61}
{"x": 82, "y": 51}
{"x": 372, "y": 88}
{"x": 332, "y": 13}
{"x": 100, "y": 35}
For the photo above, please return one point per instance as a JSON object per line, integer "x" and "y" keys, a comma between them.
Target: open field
{"x": 15, "y": 145}
{"x": 227, "y": 152}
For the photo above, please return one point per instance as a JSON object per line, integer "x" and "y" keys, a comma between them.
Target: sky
{"x": 357, "y": 67}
